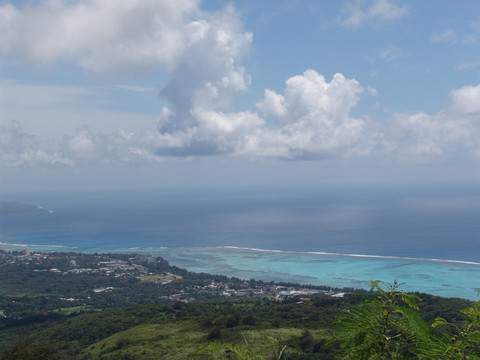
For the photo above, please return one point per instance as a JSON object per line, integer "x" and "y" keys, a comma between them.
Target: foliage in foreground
{"x": 388, "y": 327}
{"x": 465, "y": 344}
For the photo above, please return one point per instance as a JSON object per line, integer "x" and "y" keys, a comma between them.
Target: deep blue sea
{"x": 427, "y": 237}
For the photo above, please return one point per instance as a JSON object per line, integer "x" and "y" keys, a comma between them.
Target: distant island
{"x": 16, "y": 207}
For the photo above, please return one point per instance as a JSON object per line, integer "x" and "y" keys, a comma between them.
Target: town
{"x": 71, "y": 282}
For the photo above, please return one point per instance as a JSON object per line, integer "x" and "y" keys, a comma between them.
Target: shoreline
{"x": 446, "y": 278}
{"x": 239, "y": 248}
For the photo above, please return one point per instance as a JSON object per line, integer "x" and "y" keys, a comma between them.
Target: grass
{"x": 180, "y": 340}
{"x": 152, "y": 341}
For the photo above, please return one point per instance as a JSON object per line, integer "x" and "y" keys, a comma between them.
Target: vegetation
{"x": 386, "y": 323}
{"x": 390, "y": 327}
{"x": 386, "y": 327}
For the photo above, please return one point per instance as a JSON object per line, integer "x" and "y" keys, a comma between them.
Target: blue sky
{"x": 152, "y": 93}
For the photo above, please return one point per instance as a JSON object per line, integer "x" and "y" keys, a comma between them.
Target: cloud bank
{"x": 422, "y": 136}
{"x": 101, "y": 35}
{"x": 202, "y": 53}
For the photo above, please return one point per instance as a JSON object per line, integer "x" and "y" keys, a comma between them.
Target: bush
{"x": 233, "y": 321}
{"x": 306, "y": 341}
{"x": 121, "y": 343}
{"x": 214, "y": 333}
{"x": 249, "y": 320}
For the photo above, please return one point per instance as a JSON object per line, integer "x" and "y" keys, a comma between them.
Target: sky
{"x": 98, "y": 94}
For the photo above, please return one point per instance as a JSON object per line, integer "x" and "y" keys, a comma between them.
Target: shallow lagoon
{"x": 443, "y": 278}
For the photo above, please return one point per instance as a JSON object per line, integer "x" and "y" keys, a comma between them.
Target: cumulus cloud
{"x": 310, "y": 120}
{"x": 313, "y": 119}
{"x": 202, "y": 52}
{"x": 214, "y": 133}
{"x": 359, "y": 12}
{"x": 423, "y": 136}
{"x": 466, "y": 100}
{"x": 310, "y": 95}
{"x": 202, "y": 86}
{"x": 81, "y": 145}
{"x": 100, "y": 35}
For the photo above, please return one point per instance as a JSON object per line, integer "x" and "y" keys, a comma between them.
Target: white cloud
{"x": 81, "y": 145}
{"x": 466, "y": 100}
{"x": 100, "y": 35}
{"x": 452, "y": 36}
{"x": 446, "y": 36}
{"x": 392, "y": 53}
{"x": 310, "y": 95}
{"x": 18, "y": 148}
{"x": 203, "y": 53}
{"x": 202, "y": 86}
{"x": 372, "y": 91}
{"x": 312, "y": 120}
{"x": 313, "y": 117}
{"x": 422, "y": 136}
{"x": 356, "y": 13}
{"x": 213, "y": 133}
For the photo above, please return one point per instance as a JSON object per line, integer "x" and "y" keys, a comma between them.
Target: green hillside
{"x": 128, "y": 307}
{"x": 211, "y": 329}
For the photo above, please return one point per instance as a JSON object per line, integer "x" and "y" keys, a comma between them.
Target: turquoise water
{"x": 434, "y": 276}
{"x": 438, "y": 277}
{"x": 427, "y": 240}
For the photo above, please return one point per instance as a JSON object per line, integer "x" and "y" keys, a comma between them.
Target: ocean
{"x": 425, "y": 237}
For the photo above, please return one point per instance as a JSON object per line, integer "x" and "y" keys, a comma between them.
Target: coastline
{"x": 447, "y": 278}
{"x": 42, "y": 247}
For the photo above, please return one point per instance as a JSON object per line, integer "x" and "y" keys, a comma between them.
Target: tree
{"x": 306, "y": 341}
{"x": 465, "y": 344}
{"x": 387, "y": 327}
